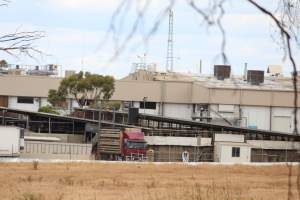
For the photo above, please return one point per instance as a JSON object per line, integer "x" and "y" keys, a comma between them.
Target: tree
{"x": 83, "y": 87}
{"x": 3, "y": 63}
{"x": 55, "y": 98}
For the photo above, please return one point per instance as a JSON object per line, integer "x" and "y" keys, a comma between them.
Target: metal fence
{"x": 57, "y": 148}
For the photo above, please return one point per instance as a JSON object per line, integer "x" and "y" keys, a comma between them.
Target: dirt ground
{"x": 144, "y": 181}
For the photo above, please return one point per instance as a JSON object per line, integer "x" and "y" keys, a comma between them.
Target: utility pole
{"x": 170, "y": 57}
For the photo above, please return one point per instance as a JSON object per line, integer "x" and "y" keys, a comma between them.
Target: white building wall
{"x": 282, "y": 119}
{"x": 13, "y": 103}
{"x": 9, "y": 141}
{"x": 182, "y": 111}
{"x": 223, "y": 153}
{"x": 226, "y": 154}
{"x": 255, "y": 116}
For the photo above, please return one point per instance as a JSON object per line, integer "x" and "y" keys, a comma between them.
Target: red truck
{"x": 114, "y": 144}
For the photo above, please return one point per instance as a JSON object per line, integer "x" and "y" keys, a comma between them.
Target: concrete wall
{"x": 65, "y": 138}
{"x": 174, "y": 141}
{"x": 229, "y": 138}
{"x": 267, "y": 144}
{"x": 183, "y": 111}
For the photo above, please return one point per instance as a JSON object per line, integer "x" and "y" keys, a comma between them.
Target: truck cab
{"x": 133, "y": 145}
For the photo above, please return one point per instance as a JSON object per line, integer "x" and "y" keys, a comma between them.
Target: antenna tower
{"x": 169, "y": 60}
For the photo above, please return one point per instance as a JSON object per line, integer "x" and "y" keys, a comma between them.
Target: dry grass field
{"x": 76, "y": 181}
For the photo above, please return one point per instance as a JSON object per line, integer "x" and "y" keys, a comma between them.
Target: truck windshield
{"x": 135, "y": 145}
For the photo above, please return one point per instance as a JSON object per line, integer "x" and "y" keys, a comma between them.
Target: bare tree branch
{"x": 20, "y": 43}
{"x": 4, "y": 2}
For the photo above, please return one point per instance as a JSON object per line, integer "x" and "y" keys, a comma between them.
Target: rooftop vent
{"x": 274, "y": 70}
{"x": 255, "y": 77}
{"x": 222, "y": 71}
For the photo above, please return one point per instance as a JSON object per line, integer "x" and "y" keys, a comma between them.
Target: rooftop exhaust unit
{"x": 46, "y": 70}
{"x": 255, "y": 77}
{"x": 222, "y": 72}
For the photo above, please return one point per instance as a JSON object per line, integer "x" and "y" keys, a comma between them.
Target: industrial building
{"x": 256, "y": 100}
{"x": 220, "y": 117}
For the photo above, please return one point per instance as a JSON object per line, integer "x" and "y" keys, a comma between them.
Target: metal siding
{"x": 257, "y": 116}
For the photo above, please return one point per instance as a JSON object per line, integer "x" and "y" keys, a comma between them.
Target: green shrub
{"x": 48, "y": 109}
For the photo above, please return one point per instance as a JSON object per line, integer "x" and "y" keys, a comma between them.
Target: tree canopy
{"x": 83, "y": 87}
{"x": 3, "y": 63}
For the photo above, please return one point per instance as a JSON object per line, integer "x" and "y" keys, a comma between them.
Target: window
{"x": 135, "y": 145}
{"x": 28, "y": 100}
{"x": 235, "y": 151}
{"x": 148, "y": 105}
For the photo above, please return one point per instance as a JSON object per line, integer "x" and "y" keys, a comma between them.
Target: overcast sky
{"x": 75, "y": 32}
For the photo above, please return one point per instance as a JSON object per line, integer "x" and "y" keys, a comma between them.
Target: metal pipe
{"x": 49, "y": 126}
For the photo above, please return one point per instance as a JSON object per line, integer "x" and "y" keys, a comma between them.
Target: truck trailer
{"x": 116, "y": 144}
{"x": 11, "y": 141}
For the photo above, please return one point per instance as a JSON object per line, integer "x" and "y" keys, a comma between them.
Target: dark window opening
{"x": 148, "y": 105}
{"x": 28, "y": 100}
{"x": 235, "y": 151}
{"x": 86, "y": 102}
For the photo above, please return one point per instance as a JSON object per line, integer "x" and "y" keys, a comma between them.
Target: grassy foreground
{"x": 26, "y": 181}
